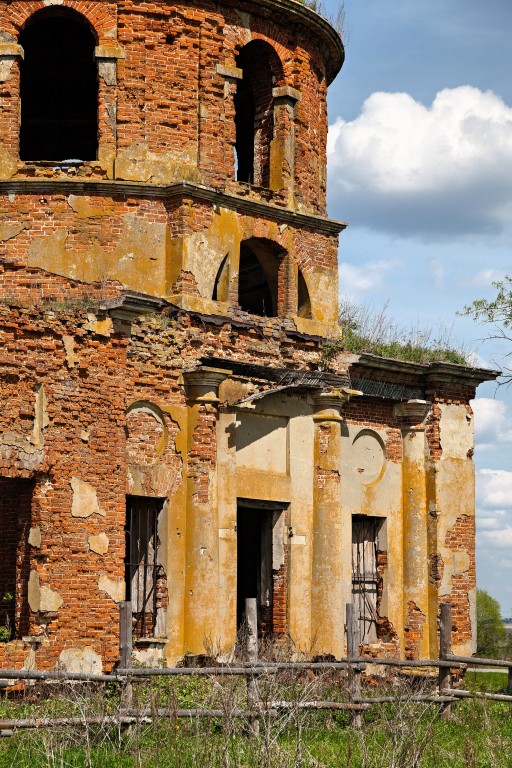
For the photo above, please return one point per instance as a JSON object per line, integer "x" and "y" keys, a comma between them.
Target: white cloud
{"x": 491, "y": 521}
{"x": 494, "y": 488}
{"x": 484, "y": 278}
{"x": 500, "y": 539}
{"x": 431, "y": 171}
{"x": 367, "y": 277}
{"x": 492, "y": 423}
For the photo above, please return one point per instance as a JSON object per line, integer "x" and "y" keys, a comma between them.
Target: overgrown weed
{"x": 365, "y": 328}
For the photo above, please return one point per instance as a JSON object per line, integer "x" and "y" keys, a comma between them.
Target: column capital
{"x": 412, "y": 414}
{"x": 329, "y": 402}
{"x": 202, "y": 384}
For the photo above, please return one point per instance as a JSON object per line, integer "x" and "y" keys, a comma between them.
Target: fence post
{"x": 445, "y": 645}
{"x": 125, "y": 650}
{"x": 253, "y": 698}
{"x": 354, "y": 675}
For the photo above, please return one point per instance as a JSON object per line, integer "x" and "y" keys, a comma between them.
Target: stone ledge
{"x": 11, "y": 49}
{"x": 182, "y": 189}
{"x": 227, "y": 71}
{"x": 286, "y": 92}
{"x": 114, "y": 51}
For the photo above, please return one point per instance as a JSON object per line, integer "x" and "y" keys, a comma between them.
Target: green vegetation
{"x": 492, "y": 638}
{"x": 337, "y": 18}
{"x": 402, "y": 734}
{"x": 370, "y": 330}
{"x": 496, "y": 313}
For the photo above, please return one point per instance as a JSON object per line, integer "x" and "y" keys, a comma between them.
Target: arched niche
{"x": 58, "y": 88}
{"x": 254, "y": 111}
{"x": 258, "y": 277}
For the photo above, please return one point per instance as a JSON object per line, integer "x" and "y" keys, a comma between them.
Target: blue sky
{"x": 420, "y": 165}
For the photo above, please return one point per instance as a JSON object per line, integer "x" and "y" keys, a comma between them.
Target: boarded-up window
{"x": 142, "y": 569}
{"x": 365, "y": 533}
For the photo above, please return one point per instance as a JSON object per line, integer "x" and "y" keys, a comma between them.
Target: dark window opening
{"x": 365, "y": 577}
{"x": 254, "y": 111}
{"x": 143, "y": 572}
{"x": 303, "y": 299}
{"x": 255, "y": 574}
{"x": 244, "y": 122}
{"x": 15, "y": 517}
{"x": 221, "y": 286}
{"x": 59, "y": 88}
{"x": 257, "y": 280}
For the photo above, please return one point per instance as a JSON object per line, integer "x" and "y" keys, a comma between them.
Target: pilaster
{"x": 411, "y": 416}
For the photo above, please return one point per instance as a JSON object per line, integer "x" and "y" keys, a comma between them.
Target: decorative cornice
{"x": 412, "y": 414}
{"x": 183, "y": 189}
{"x": 431, "y": 371}
{"x": 332, "y": 50}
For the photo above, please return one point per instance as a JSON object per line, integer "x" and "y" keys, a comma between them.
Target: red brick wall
{"x": 171, "y": 55}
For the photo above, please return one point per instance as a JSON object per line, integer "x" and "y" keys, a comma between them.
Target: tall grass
{"x": 404, "y": 734}
{"x": 366, "y": 328}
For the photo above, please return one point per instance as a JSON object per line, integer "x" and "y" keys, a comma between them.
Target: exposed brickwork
{"x": 170, "y": 54}
{"x": 461, "y": 538}
{"x": 414, "y": 628}
{"x": 96, "y": 404}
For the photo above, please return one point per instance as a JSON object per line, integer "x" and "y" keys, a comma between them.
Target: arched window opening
{"x": 257, "y": 280}
{"x": 303, "y": 299}
{"x": 221, "y": 285}
{"x": 254, "y": 111}
{"x": 59, "y": 88}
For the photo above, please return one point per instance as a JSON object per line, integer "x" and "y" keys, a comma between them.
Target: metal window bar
{"x": 141, "y": 562}
{"x": 365, "y": 576}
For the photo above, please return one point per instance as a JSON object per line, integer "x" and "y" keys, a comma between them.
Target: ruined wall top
{"x": 176, "y": 89}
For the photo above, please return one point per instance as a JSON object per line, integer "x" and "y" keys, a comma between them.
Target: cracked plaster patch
{"x": 10, "y": 230}
{"x": 85, "y": 501}
{"x": 99, "y": 543}
{"x": 69, "y": 346}
{"x": 34, "y": 537}
{"x": 84, "y": 660}
{"x": 42, "y": 598}
{"x": 101, "y": 327}
{"x": 116, "y": 590}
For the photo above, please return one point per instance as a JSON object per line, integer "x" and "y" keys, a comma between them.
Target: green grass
{"x": 368, "y": 329}
{"x": 398, "y": 735}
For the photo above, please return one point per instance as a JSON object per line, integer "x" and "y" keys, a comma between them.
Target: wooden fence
{"x": 443, "y": 695}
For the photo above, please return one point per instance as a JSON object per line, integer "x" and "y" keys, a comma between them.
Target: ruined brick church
{"x": 172, "y": 430}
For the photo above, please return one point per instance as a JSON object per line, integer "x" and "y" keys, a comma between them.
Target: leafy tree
{"x": 497, "y": 313}
{"x": 491, "y": 634}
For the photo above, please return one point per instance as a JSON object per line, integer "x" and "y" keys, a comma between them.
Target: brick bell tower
{"x": 165, "y": 254}
{"x": 174, "y": 431}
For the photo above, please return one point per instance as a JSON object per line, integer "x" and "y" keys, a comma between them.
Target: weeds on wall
{"x": 367, "y": 329}
{"x": 337, "y": 18}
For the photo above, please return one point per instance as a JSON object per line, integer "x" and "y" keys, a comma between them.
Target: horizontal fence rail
{"x": 252, "y": 670}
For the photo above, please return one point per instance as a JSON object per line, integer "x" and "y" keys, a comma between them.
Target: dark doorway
{"x": 59, "y": 88}
{"x": 16, "y": 521}
{"x": 365, "y": 577}
{"x": 254, "y": 564}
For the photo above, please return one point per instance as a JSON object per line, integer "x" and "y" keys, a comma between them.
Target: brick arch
{"x": 100, "y": 19}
